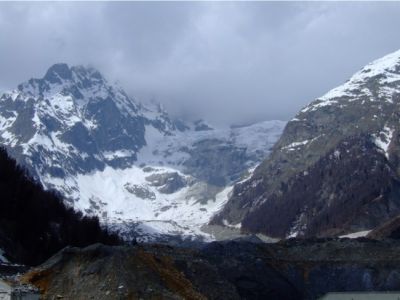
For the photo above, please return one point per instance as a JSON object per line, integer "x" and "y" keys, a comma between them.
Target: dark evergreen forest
{"x": 35, "y": 224}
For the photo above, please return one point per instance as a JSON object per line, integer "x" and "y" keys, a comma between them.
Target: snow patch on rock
{"x": 355, "y": 235}
{"x": 385, "y": 67}
{"x": 383, "y": 139}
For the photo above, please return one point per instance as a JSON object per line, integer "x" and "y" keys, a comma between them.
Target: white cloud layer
{"x": 228, "y": 61}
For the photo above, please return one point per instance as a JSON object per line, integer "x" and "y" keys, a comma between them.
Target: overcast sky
{"x": 228, "y": 62}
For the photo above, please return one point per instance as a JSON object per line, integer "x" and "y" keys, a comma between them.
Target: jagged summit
{"x": 82, "y": 84}
{"x": 83, "y": 76}
{"x": 57, "y": 73}
{"x": 76, "y": 113}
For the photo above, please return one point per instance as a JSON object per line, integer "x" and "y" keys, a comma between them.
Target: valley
{"x": 199, "y": 150}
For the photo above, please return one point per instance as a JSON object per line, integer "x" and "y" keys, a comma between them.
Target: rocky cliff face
{"x": 335, "y": 167}
{"x": 130, "y": 164}
{"x": 62, "y": 124}
{"x": 234, "y": 270}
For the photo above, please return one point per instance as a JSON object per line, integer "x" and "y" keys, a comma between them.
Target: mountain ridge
{"x": 111, "y": 156}
{"x": 366, "y": 105}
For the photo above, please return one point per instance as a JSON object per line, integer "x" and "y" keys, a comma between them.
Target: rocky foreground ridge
{"x": 294, "y": 269}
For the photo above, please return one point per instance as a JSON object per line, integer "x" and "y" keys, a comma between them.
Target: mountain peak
{"x": 87, "y": 71}
{"x": 377, "y": 77}
{"x": 58, "y": 72}
{"x": 386, "y": 63}
{"x": 384, "y": 66}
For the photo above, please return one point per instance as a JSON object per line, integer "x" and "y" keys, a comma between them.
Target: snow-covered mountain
{"x": 335, "y": 169}
{"x": 132, "y": 165}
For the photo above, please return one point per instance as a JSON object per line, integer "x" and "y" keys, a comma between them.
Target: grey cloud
{"x": 226, "y": 61}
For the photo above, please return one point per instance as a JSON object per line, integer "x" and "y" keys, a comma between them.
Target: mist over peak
{"x": 253, "y": 61}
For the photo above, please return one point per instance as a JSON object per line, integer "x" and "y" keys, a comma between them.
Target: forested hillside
{"x": 34, "y": 224}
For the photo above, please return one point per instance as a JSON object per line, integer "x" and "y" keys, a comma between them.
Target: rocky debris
{"x": 137, "y": 232}
{"x": 11, "y": 286}
{"x": 293, "y": 269}
{"x": 97, "y": 207}
{"x": 109, "y": 273}
{"x": 140, "y": 191}
{"x": 202, "y": 192}
{"x": 226, "y": 233}
{"x": 13, "y": 289}
{"x": 366, "y": 107}
{"x": 148, "y": 169}
{"x": 167, "y": 183}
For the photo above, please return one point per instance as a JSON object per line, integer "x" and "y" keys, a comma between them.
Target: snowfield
{"x": 106, "y": 193}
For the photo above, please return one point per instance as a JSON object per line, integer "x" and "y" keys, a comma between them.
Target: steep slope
{"x": 35, "y": 224}
{"x": 335, "y": 168}
{"x": 132, "y": 165}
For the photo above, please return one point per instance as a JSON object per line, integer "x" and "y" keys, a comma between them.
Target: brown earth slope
{"x": 294, "y": 269}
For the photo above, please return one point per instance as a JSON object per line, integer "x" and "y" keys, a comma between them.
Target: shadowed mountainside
{"x": 335, "y": 169}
